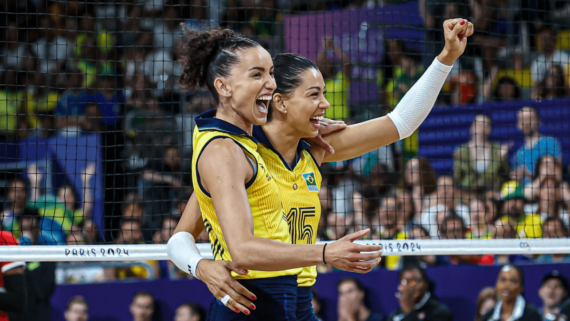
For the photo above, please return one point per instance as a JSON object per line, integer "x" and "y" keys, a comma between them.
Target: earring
{"x": 285, "y": 112}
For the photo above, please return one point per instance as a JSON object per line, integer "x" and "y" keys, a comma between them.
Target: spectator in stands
{"x": 547, "y": 166}
{"x": 535, "y": 145}
{"x": 130, "y": 232}
{"x": 16, "y": 208}
{"x": 11, "y": 96}
{"x": 553, "y": 292}
{"x": 326, "y": 208}
{"x": 389, "y": 227}
{"x": 63, "y": 209}
{"x": 445, "y": 199}
{"x": 50, "y": 47}
{"x": 87, "y": 63}
{"x": 485, "y": 302}
{"x": 14, "y": 52}
{"x": 553, "y": 85}
{"x": 336, "y": 82}
{"x": 480, "y": 165}
{"x": 90, "y": 121}
{"x": 550, "y": 55}
{"x": 163, "y": 179}
{"x": 550, "y": 202}
{"x": 553, "y": 228}
{"x": 527, "y": 225}
{"x": 72, "y": 103}
{"x": 452, "y": 228}
{"x": 418, "y": 232}
{"x": 390, "y": 66}
{"x": 142, "y": 307}
{"x": 167, "y": 228}
{"x": 506, "y": 88}
{"x": 404, "y": 78}
{"x": 77, "y": 309}
{"x": 511, "y": 304}
{"x": 167, "y": 29}
{"x": 12, "y": 281}
{"x": 464, "y": 88}
{"x": 492, "y": 28}
{"x": 190, "y": 312}
{"x": 352, "y": 301}
{"x": 565, "y": 310}
{"x": 482, "y": 219}
{"x": 89, "y": 232}
{"x": 75, "y": 237}
{"x": 365, "y": 204}
{"x": 505, "y": 229}
{"x": 317, "y": 304}
{"x": 134, "y": 208}
{"x": 197, "y": 19}
{"x": 405, "y": 210}
{"x": 417, "y": 302}
{"x": 111, "y": 101}
{"x": 419, "y": 181}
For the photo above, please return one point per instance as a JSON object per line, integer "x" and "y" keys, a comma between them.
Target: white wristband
{"x": 182, "y": 250}
{"x": 416, "y": 104}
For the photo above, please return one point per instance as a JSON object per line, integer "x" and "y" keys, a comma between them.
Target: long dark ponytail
{"x": 288, "y": 68}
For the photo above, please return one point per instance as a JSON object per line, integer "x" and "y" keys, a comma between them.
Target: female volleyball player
{"x": 239, "y": 199}
{"x": 300, "y": 84}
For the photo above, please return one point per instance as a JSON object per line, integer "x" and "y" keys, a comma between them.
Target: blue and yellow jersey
{"x": 262, "y": 192}
{"x": 299, "y": 186}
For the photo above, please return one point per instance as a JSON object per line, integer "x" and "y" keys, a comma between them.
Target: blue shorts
{"x": 276, "y": 300}
{"x": 305, "y": 304}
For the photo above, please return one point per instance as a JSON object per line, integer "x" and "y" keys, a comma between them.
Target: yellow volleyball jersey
{"x": 299, "y": 186}
{"x": 262, "y": 192}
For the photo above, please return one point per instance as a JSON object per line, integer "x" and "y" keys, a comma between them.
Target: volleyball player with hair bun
{"x": 239, "y": 198}
{"x": 300, "y": 84}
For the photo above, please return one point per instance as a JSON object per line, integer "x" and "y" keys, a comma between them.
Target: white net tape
{"x": 393, "y": 247}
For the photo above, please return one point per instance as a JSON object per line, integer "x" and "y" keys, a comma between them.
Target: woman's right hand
{"x": 346, "y": 255}
{"x": 217, "y": 276}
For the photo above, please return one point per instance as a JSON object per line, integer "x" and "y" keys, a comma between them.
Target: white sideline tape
{"x": 392, "y": 247}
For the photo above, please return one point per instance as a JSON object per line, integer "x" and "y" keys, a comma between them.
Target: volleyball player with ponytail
{"x": 239, "y": 199}
{"x": 300, "y": 85}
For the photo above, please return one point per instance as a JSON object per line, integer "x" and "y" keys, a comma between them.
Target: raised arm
{"x": 224, "y": 170}
{"x": 328, "y": 43}
{"x": 409, "y": 113}
{"x": 87, "y": 193}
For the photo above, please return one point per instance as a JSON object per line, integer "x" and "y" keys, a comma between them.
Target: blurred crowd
{"x": 109, "y": 68}
{"x": 416, "y": 296}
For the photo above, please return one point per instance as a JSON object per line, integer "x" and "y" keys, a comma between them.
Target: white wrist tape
{"x": 415, "y": 106}
{"x": 182, "y": 250}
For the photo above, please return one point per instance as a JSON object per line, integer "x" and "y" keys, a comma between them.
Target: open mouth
{"x": 262, "y": 103}
{"x": 315, "y": 121}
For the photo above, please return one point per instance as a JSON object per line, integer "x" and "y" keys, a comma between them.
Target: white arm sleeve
{"x": 182, "y": 250}
{"x": 419, "y": 100}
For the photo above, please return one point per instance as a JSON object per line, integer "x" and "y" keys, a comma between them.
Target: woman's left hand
{"x": 327, "y": 126}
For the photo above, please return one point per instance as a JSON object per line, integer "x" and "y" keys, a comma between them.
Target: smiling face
{"x": 250, "y": 86}
{"x": 528, "y": 121}
{"x": 306, "y": 105}
{"x": 509, "y": 284}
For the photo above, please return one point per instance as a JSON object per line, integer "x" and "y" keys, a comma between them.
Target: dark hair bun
{"x": 197, "y": 52}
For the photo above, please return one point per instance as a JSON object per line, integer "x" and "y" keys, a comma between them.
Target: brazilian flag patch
{"x": 311, "y": 182}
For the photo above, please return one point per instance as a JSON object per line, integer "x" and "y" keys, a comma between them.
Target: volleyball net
{"x": 96, "y": 133}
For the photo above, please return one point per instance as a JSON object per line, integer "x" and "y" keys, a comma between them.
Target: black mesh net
{"x": 96, "y": 133}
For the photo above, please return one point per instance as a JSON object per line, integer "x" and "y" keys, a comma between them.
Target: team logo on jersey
{"x": 311, "y": 182}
